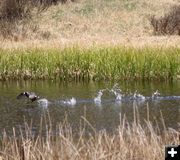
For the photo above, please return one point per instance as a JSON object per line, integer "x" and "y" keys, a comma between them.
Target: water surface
{"x": 102, "y": 114}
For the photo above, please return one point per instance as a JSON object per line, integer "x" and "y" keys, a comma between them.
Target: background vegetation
{"x": 88, "y": 20}
{"x": 168, "y": 24}
{"x": 79, "y": 64}
{"x": 17, "y": 14}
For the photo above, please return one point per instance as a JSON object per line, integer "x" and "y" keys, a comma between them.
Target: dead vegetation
{"x": 16, "y": 16}
{"x": 169, "y": 24}
{"x": 86, "y": 21}
{"x": 130, "y": 141}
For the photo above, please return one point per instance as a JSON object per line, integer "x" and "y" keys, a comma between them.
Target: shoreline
{"x": 126, "y": 41}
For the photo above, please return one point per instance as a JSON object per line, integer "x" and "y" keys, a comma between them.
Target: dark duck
{"x": 30, "y": 95}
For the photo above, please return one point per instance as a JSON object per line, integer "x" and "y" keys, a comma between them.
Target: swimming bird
{"x": 30, "y": 95}
{"x": 155, "y": 94}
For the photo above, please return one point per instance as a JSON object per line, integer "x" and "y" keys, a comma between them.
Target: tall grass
{"x": 95, "y": 63}
{"x": 129, "y": 141}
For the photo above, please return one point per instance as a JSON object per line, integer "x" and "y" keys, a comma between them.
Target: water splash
{"x": 156, "y": 94}
{"x": 97, "y": 99}
{"x": 120, "y": 97}
{"x": 137, "y": 96}
{"x": 69, "y": 102}
{"x": 43, "y": 102}
{"x": 72, "y": 101}
{"x": 117, "y": 94}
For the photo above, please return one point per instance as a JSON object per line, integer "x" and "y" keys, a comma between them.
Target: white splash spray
{"x": 117, "y": 94}
{"x": 156, "y": 94}
{"x": 97, "y": 99}
{"x": 69, "y": 102}
{"x": 138, "y": 96}
{"x": 43, "y": 102}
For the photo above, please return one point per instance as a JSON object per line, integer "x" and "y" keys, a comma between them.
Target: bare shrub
{"x": 169, "y": 24}
{"x": 12, "y": 10}
{"x": 47, "y": 3}
{"x": 18, "y": 9}
{"x": 16, "y": 15}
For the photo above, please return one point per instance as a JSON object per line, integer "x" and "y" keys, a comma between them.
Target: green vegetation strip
{"x": 113, "y": 63}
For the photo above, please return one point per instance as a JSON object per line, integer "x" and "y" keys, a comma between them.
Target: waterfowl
{"x": 30, "y": 95}
{"x": 155, "y": 94}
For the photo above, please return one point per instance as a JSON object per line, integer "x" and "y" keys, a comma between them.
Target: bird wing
{"x": 21, "y": 95}
{"x": 32, "y": 95}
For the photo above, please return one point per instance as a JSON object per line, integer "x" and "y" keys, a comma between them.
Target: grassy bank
{"x": 94, "y": 21}
{"x": 95, "y": 63}
{"x": 129, "y": 141}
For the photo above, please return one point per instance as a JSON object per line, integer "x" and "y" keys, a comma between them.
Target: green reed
{"x": 75, "y": 63}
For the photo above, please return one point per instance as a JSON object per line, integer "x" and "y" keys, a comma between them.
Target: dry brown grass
{"x": 89, "y": 22}
{"x": 103, "y": 18}
{"x": 137, "y": 42}
{"x": 130, "y": 141}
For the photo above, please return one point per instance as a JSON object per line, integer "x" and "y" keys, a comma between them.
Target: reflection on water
{"x": 100, "y": 103}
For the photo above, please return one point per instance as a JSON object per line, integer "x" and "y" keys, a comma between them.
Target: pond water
{"x": 101, "y": 103}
